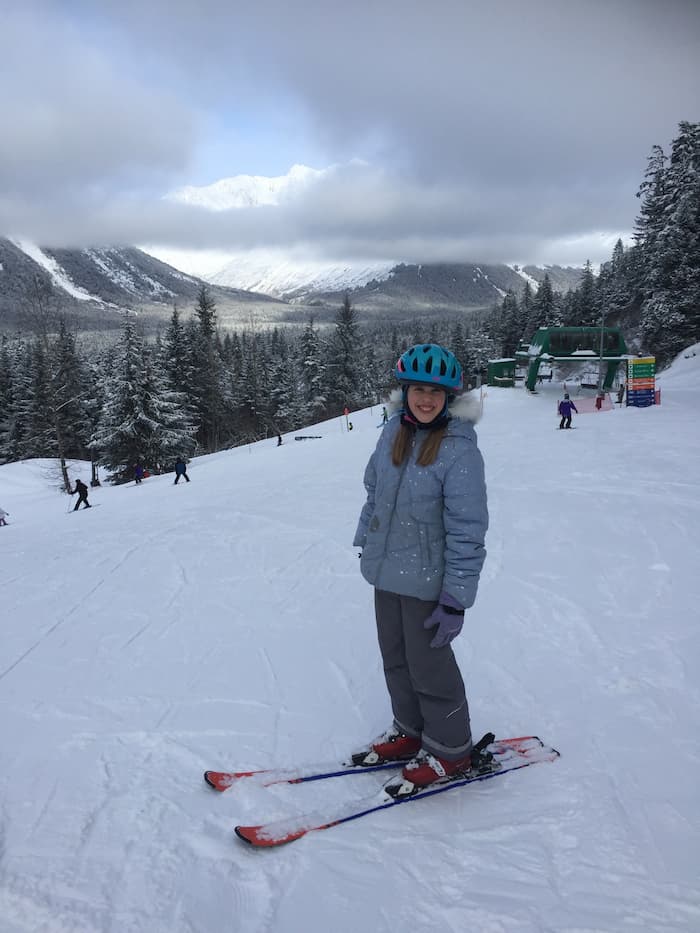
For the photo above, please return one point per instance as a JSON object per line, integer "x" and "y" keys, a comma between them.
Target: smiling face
{"x": 426, "y": 402}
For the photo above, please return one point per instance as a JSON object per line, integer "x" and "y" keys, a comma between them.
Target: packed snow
{"x": 224, "y": 624}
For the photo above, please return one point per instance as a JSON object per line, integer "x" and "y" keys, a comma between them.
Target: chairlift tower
{"x": 571, "y": 344}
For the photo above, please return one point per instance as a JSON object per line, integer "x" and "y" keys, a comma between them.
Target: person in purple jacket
{"x": 566, "y": 406}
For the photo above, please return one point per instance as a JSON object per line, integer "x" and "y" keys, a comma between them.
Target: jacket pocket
{"x": 427, "y": 515}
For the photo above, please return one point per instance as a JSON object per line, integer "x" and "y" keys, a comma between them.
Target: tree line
{"x": 196, "y": 390}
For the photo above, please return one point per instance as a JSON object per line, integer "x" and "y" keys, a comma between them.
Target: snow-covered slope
{"x": 58, "y": 276}
{"x": 277, "y": 274}
{"x": 225, "y": 623}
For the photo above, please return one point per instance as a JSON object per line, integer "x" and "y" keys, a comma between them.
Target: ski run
{"x": 224, "y": 624}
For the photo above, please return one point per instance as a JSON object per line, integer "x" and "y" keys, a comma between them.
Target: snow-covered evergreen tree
{"x": 480, "y": 349}
{"x": 207, "y": 377}
{"x": 509, "y": 324}
{"x": 544, "y": 309}
{"x": 668, "y": 233}
{"x": 141, "y": 421}
{"x": 312, "y": 371}
{"x": 344, "y": 377}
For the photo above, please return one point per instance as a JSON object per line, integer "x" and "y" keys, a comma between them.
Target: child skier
{"x": 181, "y": 470}
{"x": 82, "y": 492}
{"x": 422, "y": 533}
{"x": 565, "y": 407}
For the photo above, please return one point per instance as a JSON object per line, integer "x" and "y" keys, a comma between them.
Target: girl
{"x": 422, "y": 532}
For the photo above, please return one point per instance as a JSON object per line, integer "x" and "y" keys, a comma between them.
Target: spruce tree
{"x": 510, "y": 331}
{"x": 344, "y": 376}
{"x": 142, "y": 419}
{"x": 207, "y": 381}
{"x": 668, "y": 234}
{"x": 313, "y": 372}
{"x": 588, "y": 313}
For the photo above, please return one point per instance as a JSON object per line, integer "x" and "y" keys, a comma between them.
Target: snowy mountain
{"x": 224, "y": 623}
{"x": 460, "y": 284}
{"x": 297, "y": 280}
{"x": 249, "y": 190}
{"x": 274, "y": 272}
{"x": 90, "y": 285}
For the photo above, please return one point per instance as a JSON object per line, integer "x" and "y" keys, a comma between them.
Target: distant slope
{"x": 380, "y": 286}
{"x": 431, "y": 289}
{"x": 563, "y": 278}
{"x": 90, "y": 285}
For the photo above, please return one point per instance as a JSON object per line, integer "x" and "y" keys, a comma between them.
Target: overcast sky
{"x": 456, "y": 129}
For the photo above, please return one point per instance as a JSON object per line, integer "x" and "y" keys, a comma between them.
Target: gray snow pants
{"x": 424, "y": 683}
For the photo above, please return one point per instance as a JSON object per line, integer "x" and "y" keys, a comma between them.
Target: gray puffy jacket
{"x": 422, "y": 529}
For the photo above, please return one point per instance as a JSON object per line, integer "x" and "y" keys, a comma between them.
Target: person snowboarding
{"x": 180, "y": 470}
{"x": 422, "y": 531}
{"x": 565, "y": 407}
{"x": 3, "y": 513}
{"x": 138, "y": 474}
{"x": 82, "y": 492}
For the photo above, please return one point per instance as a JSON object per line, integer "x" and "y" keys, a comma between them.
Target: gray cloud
{"x": 492, "y": 131}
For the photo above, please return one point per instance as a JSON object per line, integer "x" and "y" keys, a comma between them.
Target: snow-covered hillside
{"x": 58, "y": 276}
{"x": 279, "y": 275}
{"x": 225, "y": 623}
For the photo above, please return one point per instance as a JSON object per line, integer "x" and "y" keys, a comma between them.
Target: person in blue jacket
{"x": 181, "y": 470}
{"x": 566, "y": 406}
{"x": 422, "y": 531}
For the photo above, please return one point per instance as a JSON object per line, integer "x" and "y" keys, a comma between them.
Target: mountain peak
{"x": 248, "y": 190}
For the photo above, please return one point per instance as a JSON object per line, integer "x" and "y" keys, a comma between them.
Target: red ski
{"x": 508, "y": 755}
{"x": 222, "y": 780}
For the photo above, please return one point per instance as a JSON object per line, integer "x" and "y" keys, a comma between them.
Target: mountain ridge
{"x": 92, "y": 287}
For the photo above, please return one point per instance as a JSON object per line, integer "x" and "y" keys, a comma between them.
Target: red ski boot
{"x": 392, "y": 746}
{"x": 425, "y": 769}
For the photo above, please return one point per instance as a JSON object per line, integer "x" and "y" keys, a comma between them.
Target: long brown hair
{"x": 403, "y": 442}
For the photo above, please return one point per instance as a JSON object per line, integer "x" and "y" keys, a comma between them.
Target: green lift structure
{"x": 606, "y": 345}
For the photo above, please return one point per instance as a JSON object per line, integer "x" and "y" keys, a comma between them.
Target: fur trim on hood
{"x": 466, "y": 406}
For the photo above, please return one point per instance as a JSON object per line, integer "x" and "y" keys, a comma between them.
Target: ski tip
{"x": 260, "y": 838}
{"x": 218, "y": 780}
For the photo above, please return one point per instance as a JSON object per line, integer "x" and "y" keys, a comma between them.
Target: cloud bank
{"x": 455, "y": 131}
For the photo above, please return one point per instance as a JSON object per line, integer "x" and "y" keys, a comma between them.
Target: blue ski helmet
{"x": 432, "y": 364}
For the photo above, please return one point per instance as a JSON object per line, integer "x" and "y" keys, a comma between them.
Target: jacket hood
{"x": 466, "y": 406}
